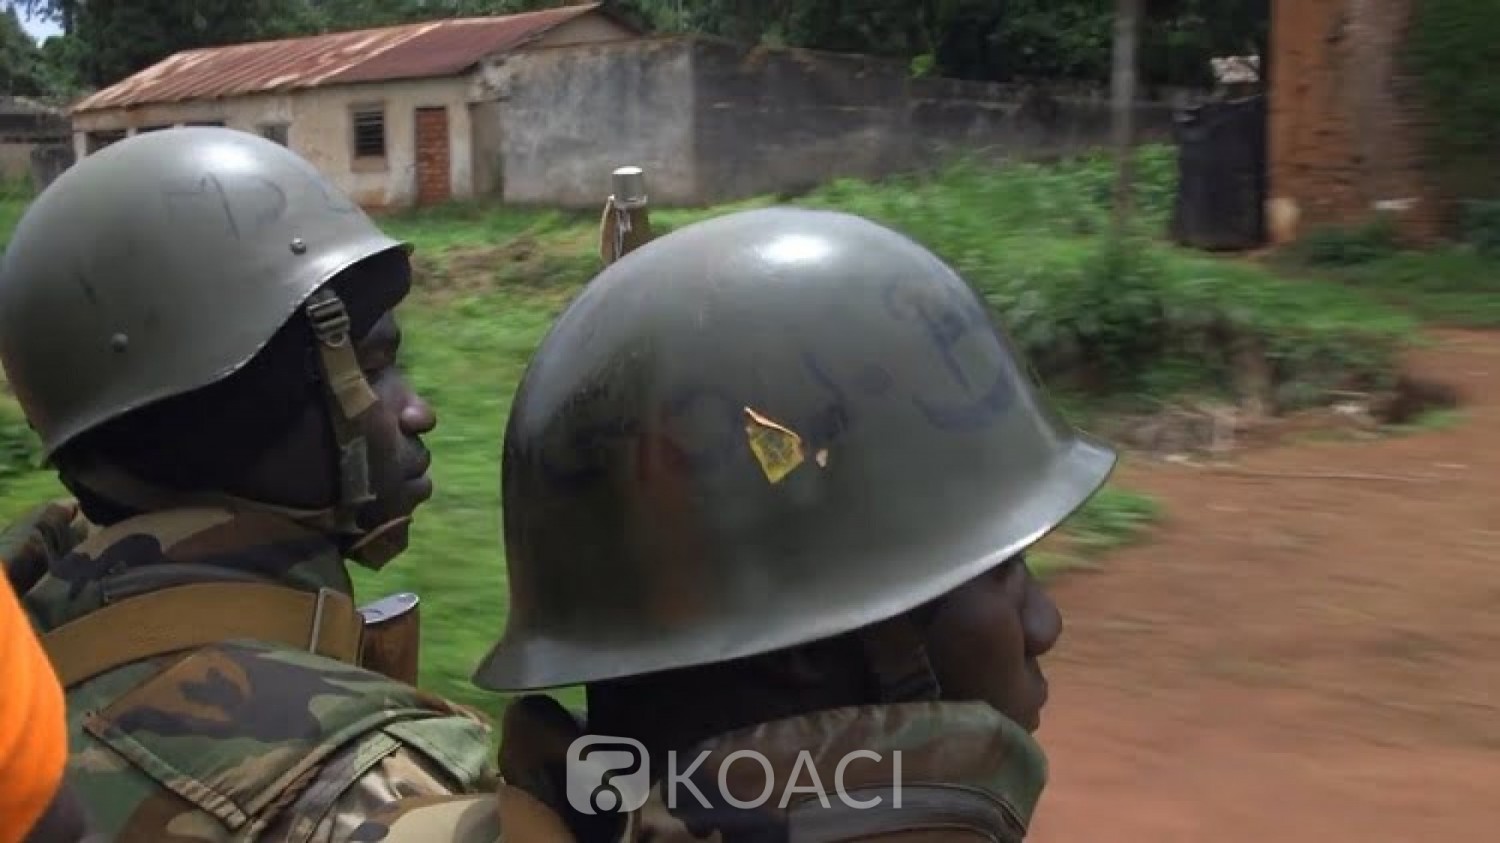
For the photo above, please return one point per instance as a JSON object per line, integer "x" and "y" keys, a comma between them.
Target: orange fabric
{"x": 33, "y": 723}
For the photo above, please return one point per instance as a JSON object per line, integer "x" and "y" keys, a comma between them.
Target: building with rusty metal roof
{"x": 397, "y": 116}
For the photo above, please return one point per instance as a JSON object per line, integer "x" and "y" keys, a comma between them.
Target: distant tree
{"x": 999, "y": 40}
{"x": 1123, "y": 74}
{"x": 22, "y": 65}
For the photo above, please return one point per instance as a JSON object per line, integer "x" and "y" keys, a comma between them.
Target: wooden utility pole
{"x": 1122, "y": 106}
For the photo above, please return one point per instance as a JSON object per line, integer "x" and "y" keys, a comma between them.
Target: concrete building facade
{"x": 388, "y": 114}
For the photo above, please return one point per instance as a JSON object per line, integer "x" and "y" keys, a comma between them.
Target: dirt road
{"x": 1295, "y": 659}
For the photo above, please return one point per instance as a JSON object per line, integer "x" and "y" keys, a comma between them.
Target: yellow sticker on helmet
{"x": 777, "y": 448}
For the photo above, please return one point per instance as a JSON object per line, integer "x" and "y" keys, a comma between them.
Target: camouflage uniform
{"x": 967, "y": 774}
{"x": 244, "y": 740}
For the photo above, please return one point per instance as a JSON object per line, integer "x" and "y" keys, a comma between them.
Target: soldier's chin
{"x": 1031, "y": 718}
{"x": 1032, "y": 721}
{"x": 418, "y": 491}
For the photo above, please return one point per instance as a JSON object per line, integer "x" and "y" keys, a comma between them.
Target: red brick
{"x": 1345, "y": 123}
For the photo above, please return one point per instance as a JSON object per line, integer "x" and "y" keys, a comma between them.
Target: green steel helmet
{"x": 762, "y": 430}
{"x": 165, "y": 263}
{"x": 160, "y": 265}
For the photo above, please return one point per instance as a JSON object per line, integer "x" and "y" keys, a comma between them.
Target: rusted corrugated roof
{"x": 411, "y": 51}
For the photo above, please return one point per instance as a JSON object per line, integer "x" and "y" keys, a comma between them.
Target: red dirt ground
{"x": 1295, "y": 659}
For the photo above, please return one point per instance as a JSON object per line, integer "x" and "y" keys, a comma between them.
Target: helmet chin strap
{"x": 348, "y": 397}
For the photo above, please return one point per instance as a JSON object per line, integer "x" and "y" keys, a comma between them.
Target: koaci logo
{"x": 607, "y": 775}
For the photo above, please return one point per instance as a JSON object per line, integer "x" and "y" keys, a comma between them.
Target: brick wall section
{"x": 434, "y": 173}
{"x": 1345, "y": 125}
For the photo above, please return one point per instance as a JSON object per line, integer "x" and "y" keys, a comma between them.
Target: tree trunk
{"x": 1123, "y": 92}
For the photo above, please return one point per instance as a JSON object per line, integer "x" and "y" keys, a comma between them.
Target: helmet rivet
{"x": 119, "y": 342}
{"x": 298, "y": 247}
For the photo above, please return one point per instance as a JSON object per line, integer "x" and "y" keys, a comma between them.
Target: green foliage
{"x": 124, "y": 36}
{"x": 1111, "y": 519}
{"x": 1114, "y": 312}
{"x": 1454, "y": 48}
{"x": 20, "y": 450}
{"x": 983, "y": 39}
{"x": 1457, "y": 286}
{"x": 14, "y": 196}
{"x": 1332, "y": 246}
{"x": 1481, "y": 226}
{"x": 22, "y": 66}
{"x": 1148, "y": 316}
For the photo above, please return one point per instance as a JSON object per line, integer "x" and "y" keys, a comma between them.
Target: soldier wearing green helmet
{"x": 200, "y": 329}
{"x": 768, "y": 487}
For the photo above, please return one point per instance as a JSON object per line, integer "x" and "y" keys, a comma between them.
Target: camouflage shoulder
{"x": 236, "y": 731}
{"x": 507, "y": 814}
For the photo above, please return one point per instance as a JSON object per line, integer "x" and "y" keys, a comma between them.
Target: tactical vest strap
{"x": 200, "y": 614}
{"x": 524, "y": 817}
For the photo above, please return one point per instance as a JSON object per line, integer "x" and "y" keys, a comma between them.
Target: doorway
{"x": 434, "y": 164}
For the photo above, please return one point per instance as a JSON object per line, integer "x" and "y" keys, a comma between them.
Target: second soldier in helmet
{"x": 768, "y": 486}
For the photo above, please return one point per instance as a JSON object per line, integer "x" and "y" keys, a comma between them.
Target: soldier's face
{"x": 986, "y": 637}
{"x": 393, "y": 429}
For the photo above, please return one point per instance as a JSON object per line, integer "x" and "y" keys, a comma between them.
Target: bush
{"x": 1115, "y": 311}
{"x": 20, "y": 451}
{"x": 1481, "y": 226}
{"x": 1453, "y": 49}
{"x": 1335, "y": 246}
{"x": 1145, "y": 316}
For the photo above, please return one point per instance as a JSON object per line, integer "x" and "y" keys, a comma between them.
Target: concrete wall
{"x": 48, "y": 161}
{"x": 488, "y": 145}
{"x": 15, "y": 161}
{"x": 570, "y": 115}
{"x": 713, "y": 121}
{"x": 770, "y": 120}
{"x": 26, "y": 127}
{"x": 1345, "y": 123}
{"x": 786, "y": 120}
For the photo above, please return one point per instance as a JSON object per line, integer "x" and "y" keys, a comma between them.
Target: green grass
{"x": 1454, "y": 286}
{"x": 1430, "y": 421}
{"x": 492, "y": 279}
{"x": 13, "y": 200}
{"x": 1112, "y": 519}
